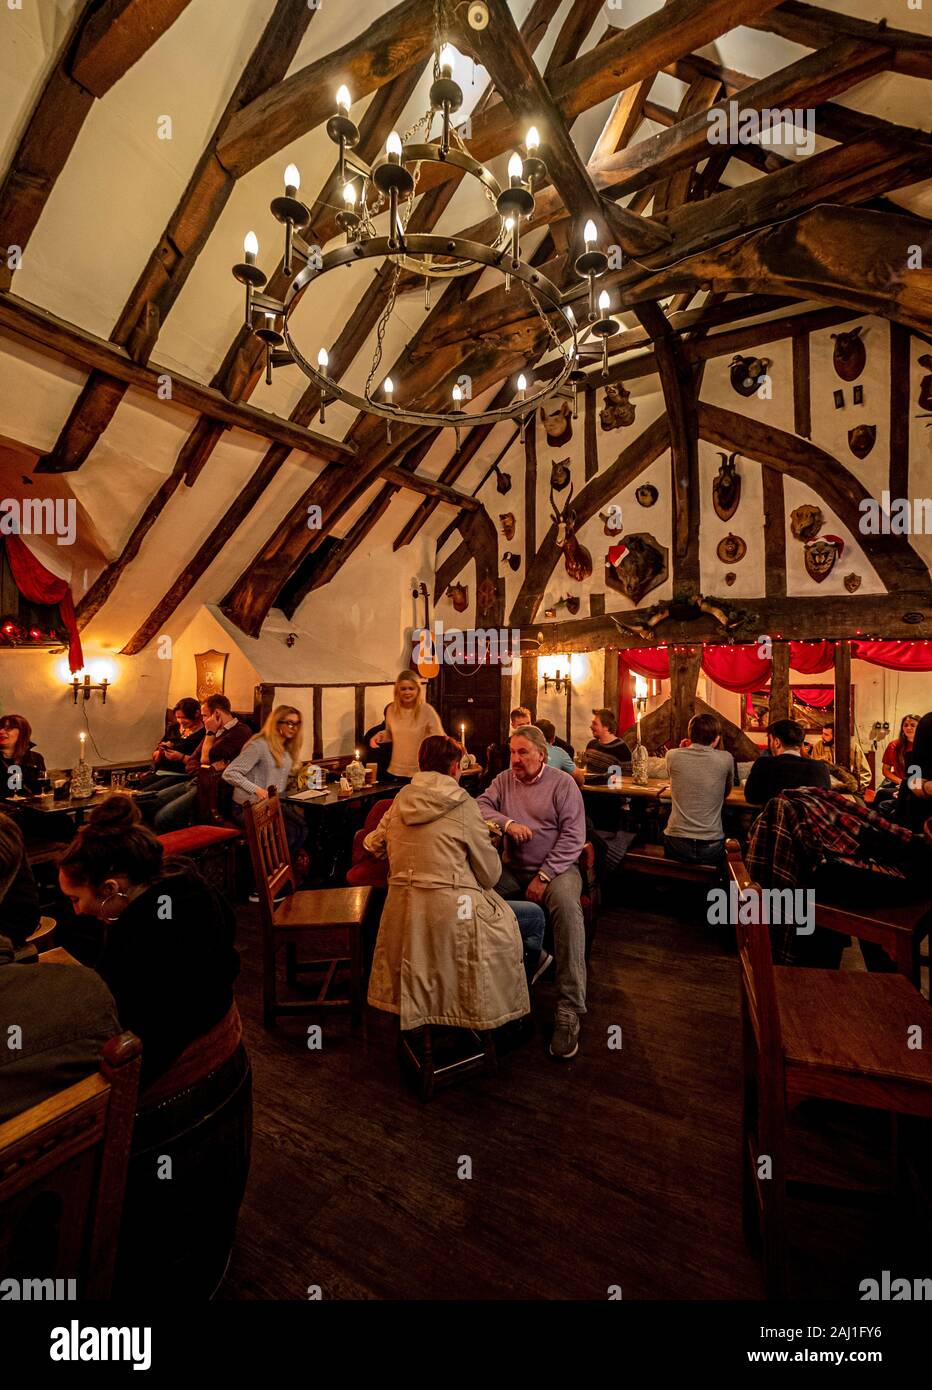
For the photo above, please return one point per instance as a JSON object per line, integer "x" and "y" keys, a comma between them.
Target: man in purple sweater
{"x": 541, "y": 812}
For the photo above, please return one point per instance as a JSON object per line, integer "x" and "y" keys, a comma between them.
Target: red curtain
{"x": 651, "y": 662}
{"x": 812, "y": 658}
{"x": 816, "y": 697}
{"x": 898, "y": 656}
{"x": 39, "y": 585}
{"x": 738, "y": 668}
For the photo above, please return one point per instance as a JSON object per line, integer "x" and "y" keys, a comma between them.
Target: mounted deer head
{"x": 576, "y": 557}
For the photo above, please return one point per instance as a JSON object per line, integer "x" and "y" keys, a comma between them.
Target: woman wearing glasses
{"x": 267, "y": 761}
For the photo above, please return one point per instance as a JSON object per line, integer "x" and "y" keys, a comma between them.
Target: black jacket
{"x": 170, "y": 963}
{"x": 771, "y": 776}
{"x": 32, "y": 767}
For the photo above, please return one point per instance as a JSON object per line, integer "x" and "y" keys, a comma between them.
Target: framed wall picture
{"x": 810, "y": 705}
{"x": 211, "y": 672}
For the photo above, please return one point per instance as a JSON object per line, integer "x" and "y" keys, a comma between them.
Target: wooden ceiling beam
{"x": 828, "y": 616}
{"x": 103, "y": 42}
{"x": 391, "y": 44}
{"x": 806, "y": 83}
{"x": 897, "y": 564}
{"x": 176, "y": 251}
{"x": 53, "y": 335}
{"x": 117, "y": 34}
{"x": 814, "y": 26}
{"x": 500, "y": 49}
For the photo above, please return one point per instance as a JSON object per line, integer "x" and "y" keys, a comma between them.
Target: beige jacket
{"x": 449, "y": 950}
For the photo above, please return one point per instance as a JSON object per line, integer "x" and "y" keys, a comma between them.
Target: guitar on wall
{"x": 428, "y": 667}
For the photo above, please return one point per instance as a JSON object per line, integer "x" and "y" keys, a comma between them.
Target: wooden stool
{"x": 418, "y": 1049}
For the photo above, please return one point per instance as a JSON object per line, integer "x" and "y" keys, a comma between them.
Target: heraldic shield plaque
{"x": 211, "y": 670}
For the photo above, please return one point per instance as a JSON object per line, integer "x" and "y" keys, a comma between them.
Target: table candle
{"x": 463, "y": 735}
{"x": 82, "y": 736}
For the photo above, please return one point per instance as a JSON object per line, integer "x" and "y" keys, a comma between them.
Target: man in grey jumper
{"x": 541, "y": 812}
{"x": 701, "y": 776}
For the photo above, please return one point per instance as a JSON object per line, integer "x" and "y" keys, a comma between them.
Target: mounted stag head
{"x": 576, "y": 557}
{"x": 850, "y": 355}
{"x": 458, "y": 594}
{"x": 726, "y": 488}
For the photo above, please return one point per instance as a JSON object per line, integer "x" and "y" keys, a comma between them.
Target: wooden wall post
{"x": 359, "y": 715}
{"x": 529, "y": 682}
{"x": 610, "y": 690}
{"x": 780, "y": 682}
{"x": 843, "y": 704}
{"x": 684, "y": 677}
{"x": 262, "y": 700}
{"x": 318, "y": 717}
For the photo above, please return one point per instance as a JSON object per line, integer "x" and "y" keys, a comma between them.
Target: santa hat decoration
{"x": 615, "y": 553}
{"x": 837, "y": 542}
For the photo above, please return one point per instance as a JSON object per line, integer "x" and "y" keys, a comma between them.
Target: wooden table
{"x": 657, "y": 789}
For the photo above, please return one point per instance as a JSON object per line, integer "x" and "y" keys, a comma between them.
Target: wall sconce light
{"x": 559, "y": 681}
{"x": 640, "y": 694}
{"x": 99, "y": 676}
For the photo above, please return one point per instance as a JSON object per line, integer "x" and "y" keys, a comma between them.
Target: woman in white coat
{"x": 449, "y": 950}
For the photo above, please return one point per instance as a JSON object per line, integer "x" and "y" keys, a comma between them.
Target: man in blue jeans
{"x": 701, "y": 776}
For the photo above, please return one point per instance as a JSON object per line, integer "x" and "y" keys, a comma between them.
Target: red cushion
{"x": 368, "y": 873}
{"x": 197, "y": 837}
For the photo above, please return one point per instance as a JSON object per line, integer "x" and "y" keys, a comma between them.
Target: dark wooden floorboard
{"x": 620, "y": 1167}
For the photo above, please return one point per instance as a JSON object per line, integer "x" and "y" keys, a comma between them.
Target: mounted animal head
{"x": 576, "y": 557}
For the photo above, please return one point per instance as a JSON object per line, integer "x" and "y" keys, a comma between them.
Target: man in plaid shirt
{"x": 807, "y": 837}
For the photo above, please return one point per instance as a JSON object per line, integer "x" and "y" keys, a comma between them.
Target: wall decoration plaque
{"x": 730, "y": 578}
{"x": 647, "y": 494}
{"x": 636, "y": 565}
{"x": 486, "y": 594}
{"x": 861, "y": 439}
{"x": 507, "y": 520}
{"x": 746, "y": 373}
{"x": 852, "y": 582}
{"x": 617, "y": 409}
{"x": 806, "y": 522}
{"x": 560, "y": 474}
{"x": 502, "y": 481}
{"x": 850, "y": 355}
{"x": 458, "y": 594}
{"x": 557, "y": 417}
{"x": 513, "y": 560}
{"x": 820, "y": 556}
{"x": 211, "y": 672}
{"x": 726, "y": 488}
{"x": 731, "y": 549}
{"x": 925, "y": 385}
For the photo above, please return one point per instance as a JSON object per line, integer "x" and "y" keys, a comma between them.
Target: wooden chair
{"x": 213, "y": 843}
{"x": 898, "y": 930}
{"x": 828, "y": 1034}
{"x": 591, "y": 896}
{"x": 63, "y": 1168}
{"x": 651, "y": 861}
{"x": 329, "y": 919}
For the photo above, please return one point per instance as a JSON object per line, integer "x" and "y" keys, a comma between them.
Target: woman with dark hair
{"x": 449, "y": 949}
{"x": 166, "y": 950}
{"x": 898, "y": 753}
{"x": 913, "y": 806}
{"x": 19, "y": 913}
{"x": 21, "y": 767}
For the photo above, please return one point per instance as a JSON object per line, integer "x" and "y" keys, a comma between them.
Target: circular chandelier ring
{"x": 459, "y": 159}
{"x": 428, "y": 244}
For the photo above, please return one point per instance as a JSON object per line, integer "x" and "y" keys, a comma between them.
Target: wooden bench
{"x": 650, "y": 860}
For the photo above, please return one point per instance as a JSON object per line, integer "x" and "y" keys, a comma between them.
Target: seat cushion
{"x": 197, "y": 837}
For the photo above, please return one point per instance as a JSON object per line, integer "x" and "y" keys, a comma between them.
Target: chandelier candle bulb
{"x": 292, "y": 180}
{"x": 250, "y": 247}
{"x": 393, "y": 147}
{"x": 343, "y": 99}
{"x": 447, "y": 55}
{"x": 516, "y": 170}
{"x": 590, "y": 235}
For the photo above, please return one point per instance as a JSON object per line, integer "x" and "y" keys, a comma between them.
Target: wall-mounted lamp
{"x": 98, "y": 676}
{"x": 559, "y": 681}
{"x": 640, "y": 694}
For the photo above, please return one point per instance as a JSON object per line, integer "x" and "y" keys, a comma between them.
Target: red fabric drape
{"x": 815, "y": 697}
{"x": 651, "y": 662}
{"x": 738, "y": 668}
{"x": 897, "y": 656}
{"x": 39, "y": 585}
{"x": 812, "y": 658}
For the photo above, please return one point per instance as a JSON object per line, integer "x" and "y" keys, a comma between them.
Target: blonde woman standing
{"x": 409, "y": 719}
{"x": 267, "y": 761}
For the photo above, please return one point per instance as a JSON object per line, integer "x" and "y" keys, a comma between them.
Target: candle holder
{"x": 356, "y": 774}
{"x": 639, "y": 760}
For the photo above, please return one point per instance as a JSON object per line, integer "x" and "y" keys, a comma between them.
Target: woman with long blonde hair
{"x": 267, "y": 761}
{"x": 409, "y": 719}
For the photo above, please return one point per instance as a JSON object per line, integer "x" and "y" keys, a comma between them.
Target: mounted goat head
{"x": 576, "y": 557}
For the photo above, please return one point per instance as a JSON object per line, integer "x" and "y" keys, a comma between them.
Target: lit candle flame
{"x": 457, "y": 395}
{"x": 532, "y": 140}
{"x": 393, "y": 144}
{"x": 389, "y": 386}
{"x": 589, "y": 232}
{"x": 349, "y": 195}
{"x": 251, "y": 244}
{"x": 447, "y": 59}
{"x": 515, "y": 166}
{"x": 323, "y": 358}
{"x": 292, "y": 177}
{"x": 604, "y": 302}
{"x": 343, "y": 99}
